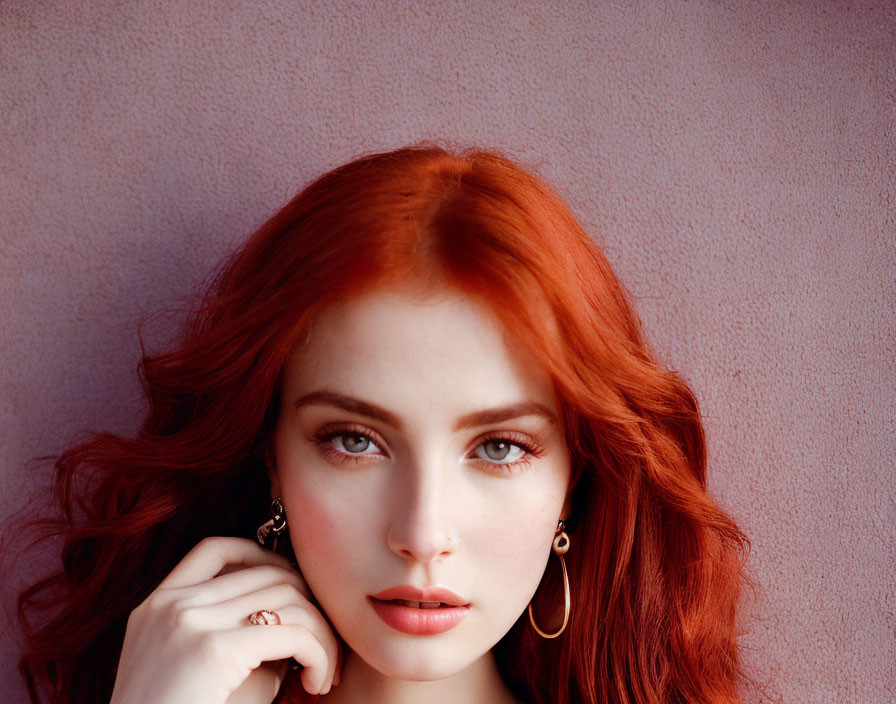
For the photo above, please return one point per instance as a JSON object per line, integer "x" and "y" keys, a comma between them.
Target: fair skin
{"x": 411, "y": 489}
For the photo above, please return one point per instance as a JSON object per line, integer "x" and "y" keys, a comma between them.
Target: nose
{"x": 422, "y": 520}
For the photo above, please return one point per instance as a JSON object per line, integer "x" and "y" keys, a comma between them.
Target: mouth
{"x": 419, "y": 617}
{"x": 419, "y": 604}
{"x": 421, "y": 598}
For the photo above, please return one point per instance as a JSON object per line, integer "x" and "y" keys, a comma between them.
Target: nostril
{"x": 421, "y": 531}
{"x": 422, "y": 549}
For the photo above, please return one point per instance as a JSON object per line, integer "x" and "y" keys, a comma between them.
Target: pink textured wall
{"x": 736, "y": 161}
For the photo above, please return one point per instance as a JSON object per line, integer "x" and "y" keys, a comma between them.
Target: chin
{"x": 417, "y": 671}
{"x": 416, "y": 663}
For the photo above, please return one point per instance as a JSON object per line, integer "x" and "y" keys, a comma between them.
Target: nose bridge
{"x": 422, "y": 513}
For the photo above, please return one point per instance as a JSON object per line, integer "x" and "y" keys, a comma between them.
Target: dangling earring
{"x": 276, "y": 524}
{"x": 561, "y": 545}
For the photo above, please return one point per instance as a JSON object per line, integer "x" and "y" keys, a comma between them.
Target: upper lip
{"x": 409, "y": 593}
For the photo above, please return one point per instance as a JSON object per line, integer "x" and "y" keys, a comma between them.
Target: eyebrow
{"x": 472, "y": 420}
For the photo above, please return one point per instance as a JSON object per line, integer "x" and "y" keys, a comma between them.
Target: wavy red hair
{"x": 655, "y": 565}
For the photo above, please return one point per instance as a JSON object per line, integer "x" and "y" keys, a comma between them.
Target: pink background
{"x": 735, "y": 160}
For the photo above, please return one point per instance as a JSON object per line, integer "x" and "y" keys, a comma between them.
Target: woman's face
{"x": 417, "y": 447}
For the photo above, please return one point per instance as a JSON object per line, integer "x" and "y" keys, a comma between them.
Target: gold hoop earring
{"x": 276, "y": 524}
{"x": 560, "y": 546}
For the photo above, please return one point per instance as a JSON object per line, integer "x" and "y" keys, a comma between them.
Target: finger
{"x": 210, "y": 556}
{"x": 263, "y": 644}
{"x": 310, "y": 618}
{"x": 251, "y": 579}
{"x": 337, "y": 674}
{"x": 291, "y": 607}
{"x": 319, "y": 628}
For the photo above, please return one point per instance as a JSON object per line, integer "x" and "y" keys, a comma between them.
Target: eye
{"x": 346, "y": 444}
{"x": 509, "y": 451}
{"x": 352, "y": 445}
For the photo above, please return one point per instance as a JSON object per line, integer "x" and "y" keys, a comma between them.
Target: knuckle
{"x": 305, "y": 635}
{"x": 332, "y": 641}
{"x": 299, "y": 630}
{"x": 199, "y": 594}
{"x": 157, "y": 601}
{"x": 186, "y": 618}
{"x": 311, "y": 618}
{"x": 210, "y": 647}
{"x": 268, "y": 572}
{"x": 143, "y": 607}
{"x": 292, "y": 578}
{"x": 212, "y": 543}
{"x": 136, "y": 617}
{"x": 331, "y": 645}
{"x": 277, "y": 575}
{"x": 222, "y": 546}
{"x": 275, "y": 568}
{"x": 289, "y": 593}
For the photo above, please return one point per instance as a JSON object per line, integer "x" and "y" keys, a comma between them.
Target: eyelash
{"x": 323, "y": 440}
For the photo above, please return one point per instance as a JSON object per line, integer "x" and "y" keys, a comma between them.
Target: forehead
{"x": 438, "y": 345}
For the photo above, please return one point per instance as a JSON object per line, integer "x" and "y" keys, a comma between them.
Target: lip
{"x": 405, "y": 591}
{"x": 417, "y": 621}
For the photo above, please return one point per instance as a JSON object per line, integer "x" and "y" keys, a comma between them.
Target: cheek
{"x": 513, "y": 532}
{"x": 517, "y": 538}
{"x": 310, "y": 519}
{"x": 318, "y": 528}
{"x": 518, "y": 543}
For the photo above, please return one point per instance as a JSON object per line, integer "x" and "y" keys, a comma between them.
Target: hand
{"x": 191, "y": 641}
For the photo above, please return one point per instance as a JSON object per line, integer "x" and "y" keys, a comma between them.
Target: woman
{"x": 482, "y": 485}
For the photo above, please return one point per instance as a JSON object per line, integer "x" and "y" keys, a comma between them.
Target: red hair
{"x": 654, "y": 566}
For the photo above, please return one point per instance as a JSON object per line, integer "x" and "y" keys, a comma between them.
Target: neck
{"x": 480, "y": 682}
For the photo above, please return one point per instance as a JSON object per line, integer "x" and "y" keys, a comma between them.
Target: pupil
{"x": 494, "y": 443}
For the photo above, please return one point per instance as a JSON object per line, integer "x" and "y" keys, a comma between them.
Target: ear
{"x": 567, "y": 502}
{"x": 567, "y": 507}
{"x": 270, "y": 461}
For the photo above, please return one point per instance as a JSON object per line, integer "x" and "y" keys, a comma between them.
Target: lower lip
{"x": 418, "y": 622}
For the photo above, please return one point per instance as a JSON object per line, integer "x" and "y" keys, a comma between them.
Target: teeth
{"x": 418, "y": 604}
